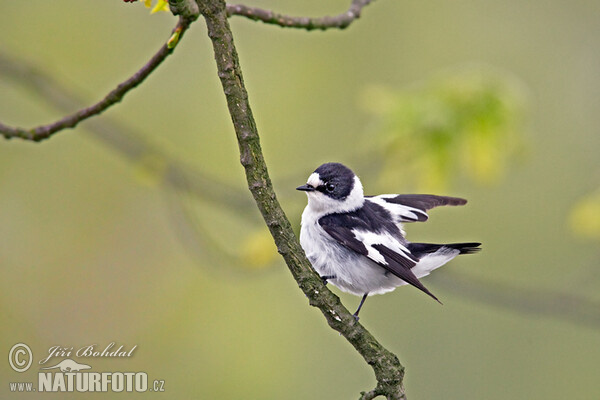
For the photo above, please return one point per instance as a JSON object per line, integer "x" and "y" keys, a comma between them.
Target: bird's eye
{"x": 330, "y": 187}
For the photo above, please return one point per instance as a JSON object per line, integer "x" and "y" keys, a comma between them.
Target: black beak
{"x": 305, "y": 188}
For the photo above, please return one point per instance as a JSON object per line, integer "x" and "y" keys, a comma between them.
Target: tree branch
{"x": 340, "y": 21}
{"x": 388, "y": 370}
{"x": 131, "y": 144}
{"x": 42, "y": 132}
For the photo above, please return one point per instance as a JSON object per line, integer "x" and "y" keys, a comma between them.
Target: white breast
{"x": 355, "y": 273}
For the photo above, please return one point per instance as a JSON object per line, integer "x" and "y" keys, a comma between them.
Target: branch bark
{"x": 42, "y": 132}
{"x": 388, "y": 370}
{"x": 340, "y": 21}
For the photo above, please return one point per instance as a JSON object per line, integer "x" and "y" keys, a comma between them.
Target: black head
{"x": 335, "y": 180}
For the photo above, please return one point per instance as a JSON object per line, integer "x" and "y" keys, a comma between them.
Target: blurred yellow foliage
{"x": 258, "y": 250}
{"x": 161, "y": 5}
{"x": 584, "y": 219}
{"x": 468, "y": 122}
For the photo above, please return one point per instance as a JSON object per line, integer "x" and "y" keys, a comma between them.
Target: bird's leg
{"x": 325, "y": 278}
{"x": 360, "y": 306}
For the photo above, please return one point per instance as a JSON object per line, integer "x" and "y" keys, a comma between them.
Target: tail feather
{"x": 432, "y": 256}
{"x": 422, "y": 249}
{"x": 465, "y": 248}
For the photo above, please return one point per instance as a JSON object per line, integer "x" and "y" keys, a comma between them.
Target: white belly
{"x": 354, "y": 273}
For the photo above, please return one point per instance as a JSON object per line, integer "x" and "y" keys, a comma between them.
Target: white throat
{"x": 320, "y": 204}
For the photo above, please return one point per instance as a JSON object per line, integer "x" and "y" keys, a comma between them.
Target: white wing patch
{"x": 400, "y": 212}
{"x": 368, "y": 239}
{"x": 432, "y": 261}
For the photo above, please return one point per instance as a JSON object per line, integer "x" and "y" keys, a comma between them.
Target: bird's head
{"x": 333, "y": 188}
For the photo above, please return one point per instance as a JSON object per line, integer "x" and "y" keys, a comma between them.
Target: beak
{"x": 305, "y": 188}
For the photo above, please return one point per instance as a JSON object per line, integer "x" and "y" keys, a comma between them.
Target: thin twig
{"x": 340, "y": 21}
{"x": 116, "y": 95}
{"x": 130, "y": 143}
{"x": 388, "y": 370}
{"x": 368, "y": 395}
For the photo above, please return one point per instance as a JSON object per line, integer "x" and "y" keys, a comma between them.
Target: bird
{"x": 357, "y": 242}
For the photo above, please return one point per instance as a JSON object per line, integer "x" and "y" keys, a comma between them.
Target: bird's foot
{"x": 325, "y": 278}
{"x": 362, "y": 301}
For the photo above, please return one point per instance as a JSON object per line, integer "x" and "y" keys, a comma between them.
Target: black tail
{"x": 465, "y": 248}
{"x": 421, "y": 249}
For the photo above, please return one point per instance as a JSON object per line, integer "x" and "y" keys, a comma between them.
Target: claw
{"x": 325, "y": 278}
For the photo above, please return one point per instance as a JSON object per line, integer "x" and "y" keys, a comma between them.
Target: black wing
{"x": 348, "y": 229}
{"x": 414, "y": 207}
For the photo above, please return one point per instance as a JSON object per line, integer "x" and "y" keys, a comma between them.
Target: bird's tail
{"x": 422, "y": 249}
{"x": 465, "y": 248}
{"x": 432, "y": 256}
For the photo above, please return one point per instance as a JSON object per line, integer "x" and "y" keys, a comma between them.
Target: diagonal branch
{"x": 388, "y": 370}
{"x": 563, "y": 306}
{"x": 130, "y": 143}
{"x": 42, "y": 132}
{"x": 340, "y": 21}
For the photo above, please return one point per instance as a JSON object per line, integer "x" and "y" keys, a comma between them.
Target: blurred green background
{"x": 137, "y": 227}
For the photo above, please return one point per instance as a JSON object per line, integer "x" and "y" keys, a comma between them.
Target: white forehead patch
{"x": 314, "y": 180}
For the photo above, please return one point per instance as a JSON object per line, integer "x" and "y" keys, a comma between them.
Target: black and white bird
{"x": 357, "y": 242}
